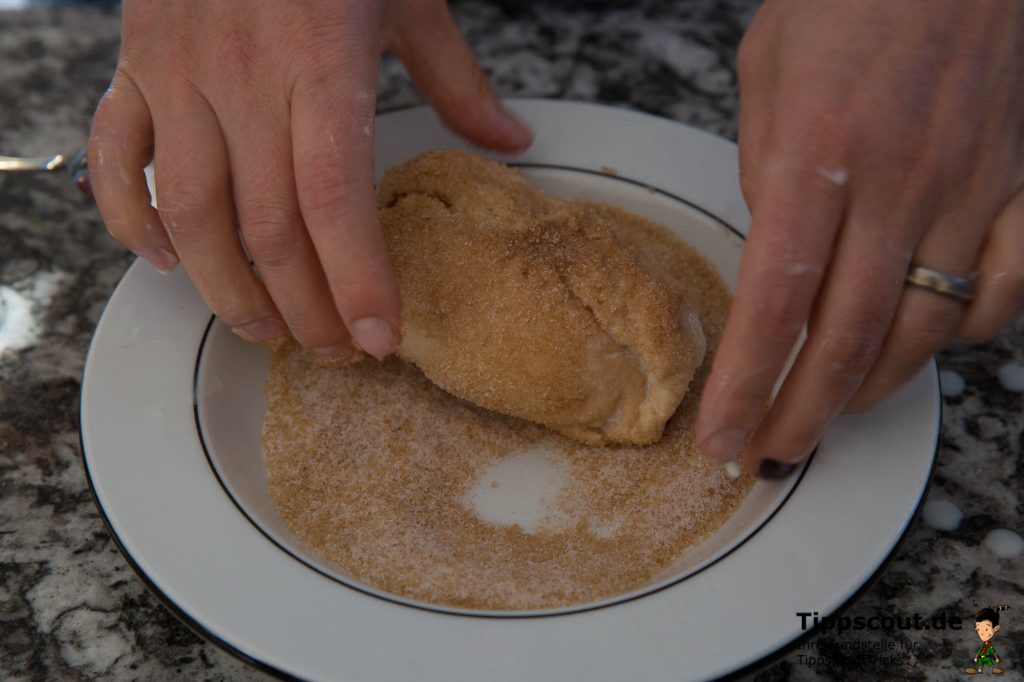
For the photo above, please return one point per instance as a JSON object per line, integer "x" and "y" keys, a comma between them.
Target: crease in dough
{"x": 534, "y": 306}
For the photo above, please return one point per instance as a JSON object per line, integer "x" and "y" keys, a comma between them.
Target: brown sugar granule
{"x": 370, "y": 466}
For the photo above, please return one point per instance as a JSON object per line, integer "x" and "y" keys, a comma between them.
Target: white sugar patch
{"x": 942, "y": 515}
{"x": 952, "y": 383}
{"x": 839, "y": 176}
{"x": 520, "y": 489}
{"x": 604, "y": 530}
{"x": 798, "y": 269}
{"x": 19, "y": 326}
{"x": 1004, "y": 543}
{"x": 1011, "y": 376}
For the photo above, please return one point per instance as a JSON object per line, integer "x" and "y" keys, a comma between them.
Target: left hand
{"x": 872, "y": 134}
{"x": 259, "y": 118}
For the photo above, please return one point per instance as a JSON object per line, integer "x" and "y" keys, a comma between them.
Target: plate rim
{"x": 793, "y": 481}
{"x": 203, "y": 631}
{"x": 206, "y": 635}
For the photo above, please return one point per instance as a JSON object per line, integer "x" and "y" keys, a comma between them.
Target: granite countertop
{"x": 71, "y": 608}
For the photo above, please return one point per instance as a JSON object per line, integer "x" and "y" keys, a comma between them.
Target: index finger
{"x": 332, "y": 134}
{"x": 794, "y": 226}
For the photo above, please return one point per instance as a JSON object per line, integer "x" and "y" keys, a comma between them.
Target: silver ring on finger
{"x": 942, "y": 283}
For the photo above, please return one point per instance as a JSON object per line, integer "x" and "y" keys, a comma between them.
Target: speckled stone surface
{"x": 71, "y": 608}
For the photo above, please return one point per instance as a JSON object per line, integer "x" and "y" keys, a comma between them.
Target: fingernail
{"x": 260, "y": 331}
{"x": 724, "y": 445}
{"x": 773, "y": 469}
{"x": 375, "y": 336}
{"x": 334, "y": 355}
{"x": 510, "y": 125}
{"x": 161, "y": 259}
{"x": 84, "y": 185}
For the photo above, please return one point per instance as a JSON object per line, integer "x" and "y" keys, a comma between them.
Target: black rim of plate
{"x": 440, "y": 609}
{"x": 201, "y": 631}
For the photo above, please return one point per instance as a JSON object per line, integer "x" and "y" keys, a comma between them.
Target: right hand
{"x": 259, "y": 113}
{"x": 886, "y": 133}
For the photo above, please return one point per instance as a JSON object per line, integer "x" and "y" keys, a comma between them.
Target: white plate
{"x": 172, "y": 406}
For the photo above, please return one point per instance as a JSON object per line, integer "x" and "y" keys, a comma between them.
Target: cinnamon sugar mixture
{"x": 375, "y": 469}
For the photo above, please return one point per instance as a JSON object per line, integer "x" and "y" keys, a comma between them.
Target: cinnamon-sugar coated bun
{"x": 559, "y": 312}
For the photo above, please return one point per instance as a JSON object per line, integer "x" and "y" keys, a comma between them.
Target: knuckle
{"x": 744, "y": 403}
{"x": 310, "y": 330}
{"x": 364, "y": 288}
{"x": 805, "y": 437}
{"x": 101, "y": 118}
{"x": 930, "y": 331}
{"x": 924, "y": 342}
{"x": 236, "y": 304}
{"x": 181, "y": 203}
{"x": 466, "y": 104}
{"x": 324, "y": 77}
{"x": 105, "y": 127}
{"x": 235, "y": 58}
{"x": 328, "y": 188}
{"x": 311, "y": 81}
{"x": 134, "y": 56}
{"x": 850, "y": 351}
{"x": 317, "y": 27}
{"x": 272, "y": 234}
{"x": 821, "y": 134}
{"x": 464, "y": 96}
{"x": 119, "y": 231}
{"x": 229, "y": 312}
{"x": 922, "y": 168}
{"x": 480, "y": 83}
{"x": 779, "y": 310}
{"x": 95, "y": 154}
{"x": 155, "y": 52}
{"x": 351, "y": 287}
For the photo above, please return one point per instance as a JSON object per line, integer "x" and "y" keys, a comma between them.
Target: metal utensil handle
{"x": 77, "y": 167}
{"x": 32, "y": 163}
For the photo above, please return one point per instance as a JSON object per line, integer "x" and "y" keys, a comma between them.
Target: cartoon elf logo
{"x": 986, "y": 623}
